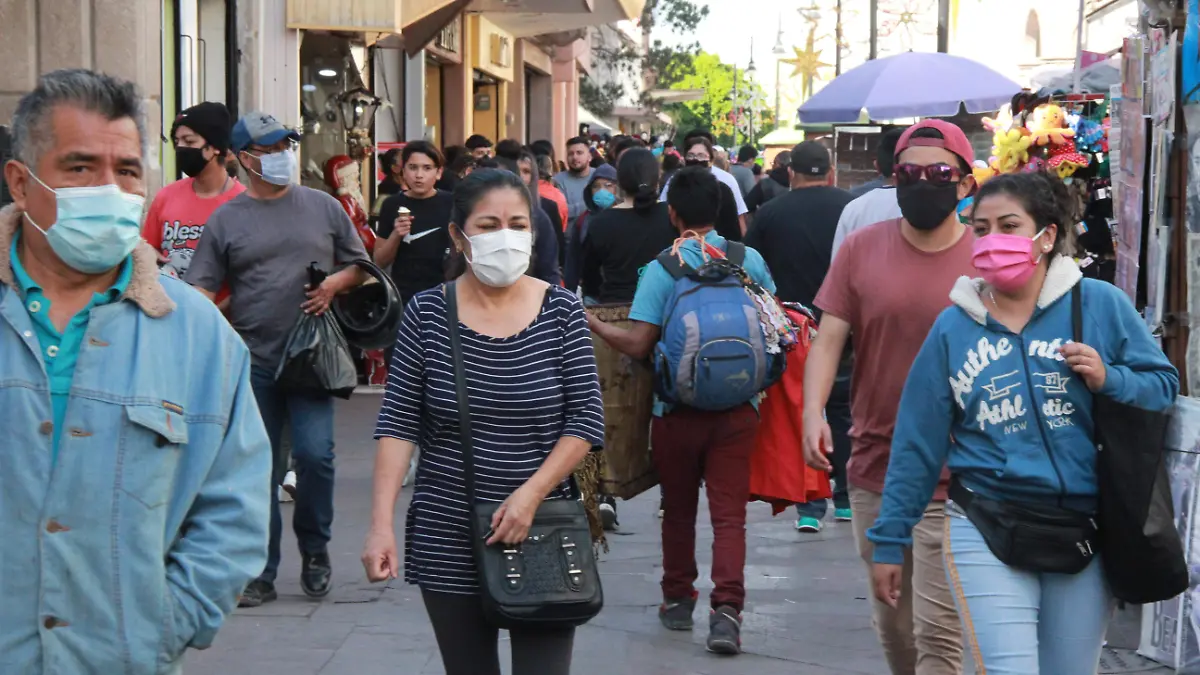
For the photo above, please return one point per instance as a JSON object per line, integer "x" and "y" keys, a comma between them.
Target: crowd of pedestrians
{"x": 140, "y": 501}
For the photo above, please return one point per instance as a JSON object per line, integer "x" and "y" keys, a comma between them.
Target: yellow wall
{"x": 487, "y": 122}
{"x": 481, "y": 42}
{"x": 433, "y": 102}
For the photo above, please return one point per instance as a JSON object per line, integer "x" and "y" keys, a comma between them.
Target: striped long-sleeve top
{"x": 526, "y": 392}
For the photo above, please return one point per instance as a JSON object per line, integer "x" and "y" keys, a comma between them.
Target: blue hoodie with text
{"x": 1005, "y": 411}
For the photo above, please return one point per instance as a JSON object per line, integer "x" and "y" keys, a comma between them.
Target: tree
{"x": 599, "y": 98}
{"x": 661, "y": 65}
{"x": 715, "y": 110}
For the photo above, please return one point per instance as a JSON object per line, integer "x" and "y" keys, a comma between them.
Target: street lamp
{"x": 778, "y": 51}
{"x": 736, "y": 98}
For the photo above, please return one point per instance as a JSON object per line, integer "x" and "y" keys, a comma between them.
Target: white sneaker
{"x": 287, "y": 491}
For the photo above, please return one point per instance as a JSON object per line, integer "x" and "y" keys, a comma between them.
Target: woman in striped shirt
{"x": 535, "y": 413}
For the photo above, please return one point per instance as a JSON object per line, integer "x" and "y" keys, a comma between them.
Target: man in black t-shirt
{"x": 414, "y": 236}
{"x": 794, "y": 232}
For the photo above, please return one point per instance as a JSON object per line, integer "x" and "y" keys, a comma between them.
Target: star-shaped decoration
{"x": 807, "y": 62}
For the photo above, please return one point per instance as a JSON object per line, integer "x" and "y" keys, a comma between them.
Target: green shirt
{"x": 60, "y": 350}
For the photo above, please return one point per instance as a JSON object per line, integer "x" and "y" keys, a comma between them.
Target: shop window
{"x": 329, "y": 67}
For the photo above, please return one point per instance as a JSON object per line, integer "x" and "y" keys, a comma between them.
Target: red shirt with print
{"x": 176, "y": 220}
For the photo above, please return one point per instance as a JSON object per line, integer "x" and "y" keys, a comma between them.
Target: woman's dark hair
{"x": 671, "y": 161}
{"x": 467, "y": 195}
{"x": 461, "y": 164}
{"x": 756, "y": 169}
{"x": 637, "y": 174}
{"x": 509, "y": 147}
{"x": 1046, "y": 199}
{"x": 425, "y": 148}
{"x": 542, "y": 147}
{"x": 700, "y": 140}
{"x": 389, "y": 160}
{"x": 618, "y": 148}
{"x": 453, "y": 152}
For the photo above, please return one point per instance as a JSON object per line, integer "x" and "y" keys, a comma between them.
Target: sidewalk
{"x": 806, "y": 611}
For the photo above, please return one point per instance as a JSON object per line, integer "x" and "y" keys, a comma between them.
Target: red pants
{"x": 694, "y": 445}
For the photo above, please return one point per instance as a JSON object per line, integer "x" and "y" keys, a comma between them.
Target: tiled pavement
{"x": 806, "y": 609}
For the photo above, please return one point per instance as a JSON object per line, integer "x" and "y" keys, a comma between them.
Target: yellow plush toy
{"x": 1011, "y": 148}
{"x": 1049, "y": 125}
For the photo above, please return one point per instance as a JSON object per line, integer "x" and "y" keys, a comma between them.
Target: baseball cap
{"x": 953, "y": 139}
{"x": 259, "y": 128}
{"x": 209, "y": 120}
{"x": 810, "y": 158}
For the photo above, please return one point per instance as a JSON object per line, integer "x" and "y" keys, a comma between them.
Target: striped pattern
{"x": 527, "y": 391}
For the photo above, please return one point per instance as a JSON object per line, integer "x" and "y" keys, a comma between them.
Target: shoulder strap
{"x": 1077, "y": 312}
{"x": 735, "y": 252}
{"x": 461, "y": 393}
{"x": 673, "y": 265}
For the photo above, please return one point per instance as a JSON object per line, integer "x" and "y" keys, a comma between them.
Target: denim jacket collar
{"x": 144, "y": 290}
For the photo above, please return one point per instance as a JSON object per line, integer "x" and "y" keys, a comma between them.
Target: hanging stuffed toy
{"x": 1089, "y": 136}
{"x": 1065, "y": 159}
{"x": 1048, "y": 125}
{"x": 1011, "y": 149}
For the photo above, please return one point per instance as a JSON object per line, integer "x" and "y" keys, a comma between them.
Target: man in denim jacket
{"x": 134, "y": 470}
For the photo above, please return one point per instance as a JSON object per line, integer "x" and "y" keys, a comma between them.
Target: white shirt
{"x": 875, "y": 206}
{"x": 726, "y": 178}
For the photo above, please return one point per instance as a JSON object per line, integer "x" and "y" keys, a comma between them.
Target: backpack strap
{"x": 673, "y": 265}
{"x": 735, "y": 252}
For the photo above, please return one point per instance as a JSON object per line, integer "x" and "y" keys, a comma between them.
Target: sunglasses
{"x": 936, "y": 174}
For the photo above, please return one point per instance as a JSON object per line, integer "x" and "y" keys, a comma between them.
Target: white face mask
{"x": 499, "y": 258}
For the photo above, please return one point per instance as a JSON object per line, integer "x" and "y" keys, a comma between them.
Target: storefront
{"x": 331, "y": 69}
{"x": 443, "y": 53}
{"x": 492, "y": 72}
{"x": 537, "y": 104}
{"x": 199, "y": 51}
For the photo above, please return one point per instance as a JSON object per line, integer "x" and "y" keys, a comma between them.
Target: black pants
{"x": 469, "y": 644}
{"x": 837, "y": 413}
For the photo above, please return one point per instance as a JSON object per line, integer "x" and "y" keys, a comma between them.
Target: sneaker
{"x": 284, "y": 495}
{"x": 289, "y": 485}
{"x": 258, "y": 593}
{"x": 316, "y": 574}
{"x": 677, "y": 614}
{"x": 808, "y": 524}
{"x": 842, "y": 515}
{"x": 660, "y": 508}
{"x": 725, "y": 631}
{"x": 608, "y": 514}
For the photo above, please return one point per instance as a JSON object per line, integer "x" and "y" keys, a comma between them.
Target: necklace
{"x": 218, "y": 193}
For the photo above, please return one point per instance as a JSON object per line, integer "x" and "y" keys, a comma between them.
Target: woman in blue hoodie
{"x": 1002, "y": 394}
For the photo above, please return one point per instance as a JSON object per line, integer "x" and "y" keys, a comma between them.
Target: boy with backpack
{"x": 693, "y": 312}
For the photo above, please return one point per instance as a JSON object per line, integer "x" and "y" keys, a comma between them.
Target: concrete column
{"x": 515, "y": 112}
{"x": 388, "y": 68}
{"x": 414, "y": 97}
{"x": 269, "y": 75}
{"x": 120, "y": 37}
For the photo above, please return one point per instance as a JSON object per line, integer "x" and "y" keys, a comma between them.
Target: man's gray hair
{"x": 111, "y": 97}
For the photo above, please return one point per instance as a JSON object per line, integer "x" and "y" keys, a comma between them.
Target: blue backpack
{"x": 712, "y": 354}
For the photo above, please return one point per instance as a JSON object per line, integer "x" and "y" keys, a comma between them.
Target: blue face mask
{"x": 604, "y": 199}
{"x": 97, "y": 227}
{"x": 277, "y": 167}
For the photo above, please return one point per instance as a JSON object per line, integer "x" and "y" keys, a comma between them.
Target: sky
{"x": 729, "y": 27}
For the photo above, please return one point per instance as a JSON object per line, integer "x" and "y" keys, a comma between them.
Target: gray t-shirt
{"x": 744, "y": 176}
{"x": 573, "y": 186}
{"x": 262, "y": 250}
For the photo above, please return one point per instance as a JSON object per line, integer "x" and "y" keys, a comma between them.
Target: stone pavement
{"x": 806, "y": 611}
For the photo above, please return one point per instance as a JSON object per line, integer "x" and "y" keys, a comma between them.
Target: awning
{"x": 645, "y": 115}
{"x": 676, "y": 95}
{"x": 418, "y": 33}
{"x": 595, "y": 124}
{"x": 526, "y": 18}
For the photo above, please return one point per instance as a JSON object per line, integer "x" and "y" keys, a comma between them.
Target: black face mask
{"x": 926, "y": 206}
{"x": 190, "y": 160}
{"x": 697, "y": 162}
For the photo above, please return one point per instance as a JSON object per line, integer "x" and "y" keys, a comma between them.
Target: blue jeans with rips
{"x": 311, "y": 424}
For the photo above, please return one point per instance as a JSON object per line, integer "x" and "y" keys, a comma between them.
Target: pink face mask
{"x": 1005, "y": 260}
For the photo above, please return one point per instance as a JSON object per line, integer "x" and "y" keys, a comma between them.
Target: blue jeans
{"x": 311, "y": 420}
{"x": 837, "y": 413}
{"x": 1024, "y": 623}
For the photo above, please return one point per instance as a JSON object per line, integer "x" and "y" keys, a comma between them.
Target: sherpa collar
{"x": 145, "y": 290}
{"x": 1060, "y": 279}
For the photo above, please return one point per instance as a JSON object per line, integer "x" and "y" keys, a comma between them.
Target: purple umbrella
{"x": 913, "y": 84}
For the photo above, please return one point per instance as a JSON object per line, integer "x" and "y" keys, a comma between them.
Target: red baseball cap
{"x": 953, "y": 139}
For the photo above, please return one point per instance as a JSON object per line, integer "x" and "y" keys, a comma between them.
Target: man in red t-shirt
{"x": 886, "y": 286}
{"x": 177, "y": 216}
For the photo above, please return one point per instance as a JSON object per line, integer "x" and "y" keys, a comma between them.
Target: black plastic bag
{"x": 317, "y": 359}
{"x": 1140, "y": 548}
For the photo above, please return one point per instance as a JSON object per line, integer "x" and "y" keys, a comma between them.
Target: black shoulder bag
{"x": 551, "y": 579}
{"x": 1140, "y": 548}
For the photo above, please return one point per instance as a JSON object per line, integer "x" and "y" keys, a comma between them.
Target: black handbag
{"x": 1037, "y": 538}
{"x": 1140, "y": 548}
{"x": 551, "y": 579}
